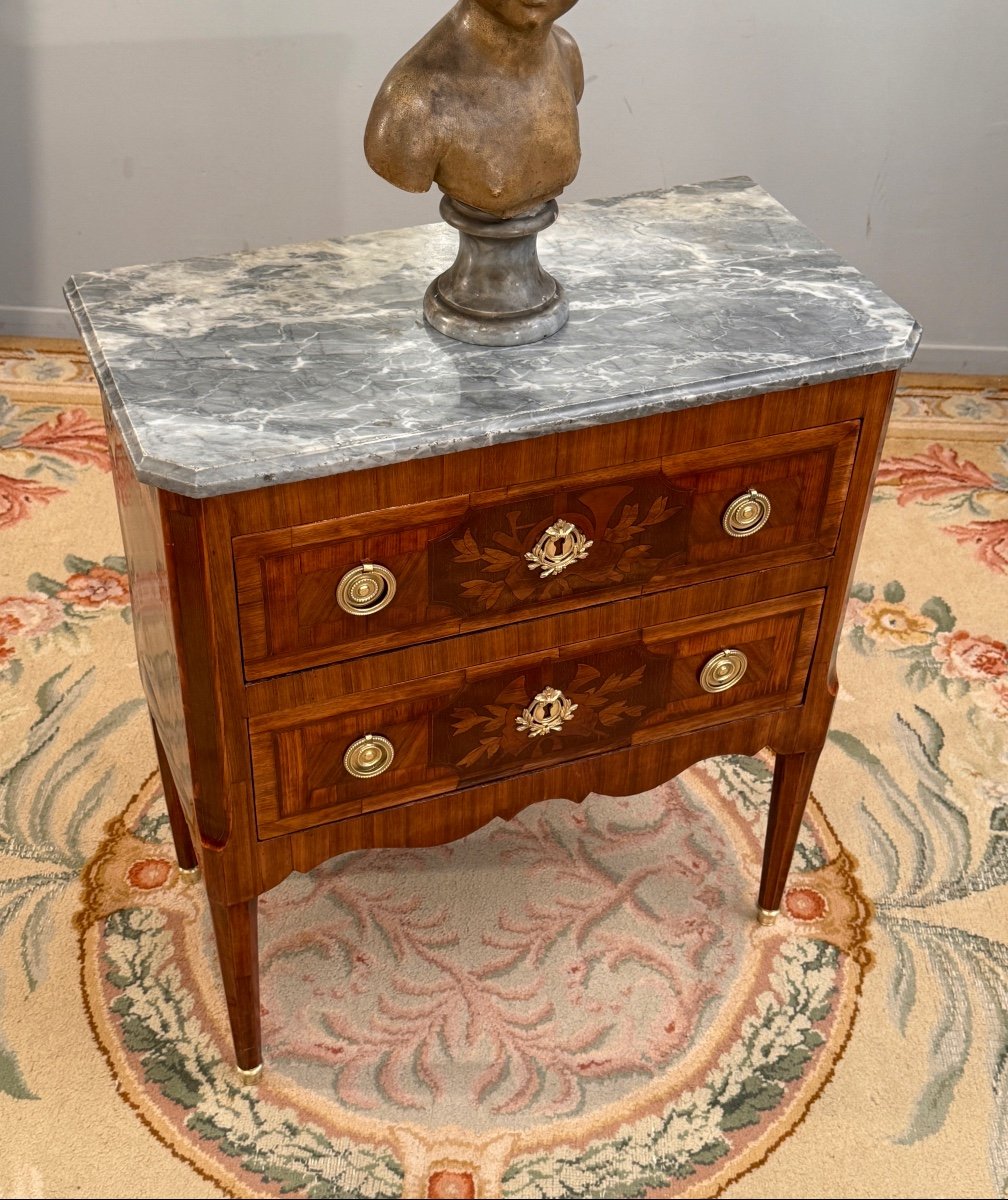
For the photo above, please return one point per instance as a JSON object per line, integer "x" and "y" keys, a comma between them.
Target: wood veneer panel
{"x": 463, "y": 566}
{"x": 461, "y": 727}
{"x": 151, "y": 576}
{"x": 299, "y": 693}
{"x": 627, "y": 771}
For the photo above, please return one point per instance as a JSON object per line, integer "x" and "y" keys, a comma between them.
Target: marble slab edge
{"x": 110, "y": 392}
{"x": 257, "y": 474}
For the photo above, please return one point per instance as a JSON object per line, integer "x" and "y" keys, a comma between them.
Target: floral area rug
{"x": 574, "y": 1003}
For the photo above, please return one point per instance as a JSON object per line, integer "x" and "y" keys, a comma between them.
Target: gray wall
{"x": 137, "y": 130}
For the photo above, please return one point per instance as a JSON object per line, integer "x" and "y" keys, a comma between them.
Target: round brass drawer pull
{"x": 746, "y": 515}
{"x": 365, "y": 590}
{"x": 723, "y": 671}
{"x": 546, "y": 714}
{"x": 557, "y": 548}
{"x": 369, "y": 756}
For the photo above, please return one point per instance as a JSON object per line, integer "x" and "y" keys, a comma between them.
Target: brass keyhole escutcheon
{"x": 558, "y": 548}
{"x": 723, "y": 671}
{"x": 746, "y": 515}
{"x": 365, "y": 590}
{"x": 546, "y": 714}
{"x": 369, "y": 756}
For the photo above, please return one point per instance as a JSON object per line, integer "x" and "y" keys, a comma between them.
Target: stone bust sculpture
{"x": 485, "y": 106}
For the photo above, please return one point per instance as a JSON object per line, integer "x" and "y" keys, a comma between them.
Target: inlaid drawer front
{"x": 349, "y": 756}
{"x": 337, "y": 589}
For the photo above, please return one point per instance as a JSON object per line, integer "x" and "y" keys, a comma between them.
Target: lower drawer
{"x": 360, "y": 753}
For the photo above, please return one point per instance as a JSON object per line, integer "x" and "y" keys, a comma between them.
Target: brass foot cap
{"x": 767, "y": 916}
{"x": 250, "y": 1074}
{"x": 189, "y": 872}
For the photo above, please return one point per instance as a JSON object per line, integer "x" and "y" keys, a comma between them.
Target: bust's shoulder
{"x": 403, "y": 138}
{"x": 432, "y": 63}
{"x": 405, "y": 94}
{"x": 420, "y": 74}
{"x": 571, "y": 57}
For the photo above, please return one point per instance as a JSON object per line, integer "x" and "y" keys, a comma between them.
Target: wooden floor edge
{"x": 913, "y": 379}
{"x": 46, "y": 345}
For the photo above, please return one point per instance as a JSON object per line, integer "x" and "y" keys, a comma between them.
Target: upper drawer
{"x": 436, "y": 569}
{"x": 344, "y": 755}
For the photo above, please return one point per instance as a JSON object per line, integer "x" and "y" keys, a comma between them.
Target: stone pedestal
{"x": 496, "y": 293}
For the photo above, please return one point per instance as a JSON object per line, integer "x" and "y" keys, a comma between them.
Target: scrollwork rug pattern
{"x": 576, "y": 1002}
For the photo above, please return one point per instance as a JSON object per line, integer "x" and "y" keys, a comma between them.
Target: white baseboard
{"x": 36, "y": 322}
{"x": 937, "y": 359}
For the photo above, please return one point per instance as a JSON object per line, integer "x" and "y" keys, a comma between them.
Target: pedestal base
{"x": 496, "y": 293}
{"x": 496, "y": 331}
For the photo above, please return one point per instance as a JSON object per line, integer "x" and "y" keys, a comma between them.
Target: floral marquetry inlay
{"x": 551, "y": 546}
{"x": 592, "y": 702}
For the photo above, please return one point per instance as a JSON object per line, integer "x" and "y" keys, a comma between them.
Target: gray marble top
{"x": 243, "y": 370}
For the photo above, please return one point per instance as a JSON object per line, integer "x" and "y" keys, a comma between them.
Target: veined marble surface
{"x": 244, "y": 370}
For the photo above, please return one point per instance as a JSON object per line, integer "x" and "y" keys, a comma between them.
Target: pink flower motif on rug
{"x": 805, "y": 904}
{"x": 933, "y": 475}
{"x": 18, "y": 495}
{"x": 994, "y": 698}
{"x": 989, "y": 540}
{"x": 149, "y": 873}
{"x": 940, "y": 476}
{"x": 98, "y": 587}
{"x": 966, "y": 656}
{"x": 29, "y": 616}
{"x": 934, "y": 651}
{"x": 451, "y": 1185}
{"x": 73, "y": 435}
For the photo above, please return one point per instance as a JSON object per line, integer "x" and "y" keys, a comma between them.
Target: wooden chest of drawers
{"x": 468, "y": 562}
{"x": 396, "y": 654}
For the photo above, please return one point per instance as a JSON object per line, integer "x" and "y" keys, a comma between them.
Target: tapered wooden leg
{"x": 184, "y": 851}
{"x": 236, "y": 928}
{"x": 791, "y": 783}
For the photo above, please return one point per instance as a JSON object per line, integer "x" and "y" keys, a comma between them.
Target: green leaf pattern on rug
{"x": 924, "y": 845}
{"x": 32, "y": 833}
{"x": 749, "y": 781}
{"x": 12, "y": 1082}
{"x": 178, "y": 1055}
{"x": 748, "y": 1082}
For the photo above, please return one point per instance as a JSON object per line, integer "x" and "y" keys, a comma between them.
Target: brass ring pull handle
{"x": 558, "y": 547}
{"x": 723, "y": 671}
{"x": 365, "y": 590}
{"x": 369, "y": 756}
{"x": 746, "y": 515}
{"x": 546, "y": 714}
